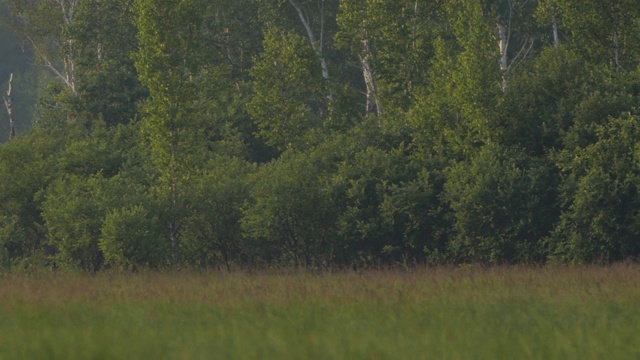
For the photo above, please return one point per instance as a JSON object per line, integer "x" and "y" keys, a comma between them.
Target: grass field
{"x": 470, "y": 313}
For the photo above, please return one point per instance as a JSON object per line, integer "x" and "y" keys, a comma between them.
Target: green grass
{"x": 509, "y": 312}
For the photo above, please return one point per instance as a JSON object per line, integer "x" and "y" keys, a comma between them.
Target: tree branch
{"x": 67, "y": 80}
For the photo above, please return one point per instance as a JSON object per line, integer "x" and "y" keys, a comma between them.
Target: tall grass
{"x": 505, "y": 312}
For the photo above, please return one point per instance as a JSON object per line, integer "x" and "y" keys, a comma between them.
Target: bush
{"x": 600, "y": 221}
{"x": 503, "y": 204}
{"x": 131, "y": 239}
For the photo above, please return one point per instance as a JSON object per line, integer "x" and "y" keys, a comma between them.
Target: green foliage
{"x": 172, "y": 63}
{"x": 212, "y": 231}
{"x": 26, "y": 169}
{"x": 90, "y": 220}
{"x": 503, "y": 203}
{"x": 88, "y": 177}
{"x": 288, "y": 96}
{"x": 605, "y": 32}
{"x": 600, "y": 195}
{"x": 292, "y": 212}
{"x": 539, "y": 107}
{"x": 400, "y": 34}
{"x": 231, "y": 133}
{"x": 368, "y": 182}
{"x": 457, "y": 113}
{"x": 104, "y": 35}
{"x": 130, "y": 239}
{"x": 73, "y": 218}
{"x": 415, "y": 214}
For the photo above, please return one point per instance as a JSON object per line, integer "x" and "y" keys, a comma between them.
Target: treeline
{"x": 325, "y": 133}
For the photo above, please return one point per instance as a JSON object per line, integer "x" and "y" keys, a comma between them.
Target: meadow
{"x": 442, "y": 313}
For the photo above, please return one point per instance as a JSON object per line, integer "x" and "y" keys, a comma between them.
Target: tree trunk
{"x": 373, "y": 104}
{"x": 616, "y": 50}
{"x": 66, "y": 47}
{"x": 556, "y": 36}
{"x": 317, "y": 46}
{"x": 8, "y": 103}
{"x": 503, "y": 45}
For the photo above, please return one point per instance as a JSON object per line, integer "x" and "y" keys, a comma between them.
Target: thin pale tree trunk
{"x": 8, "y": 103}
{"x": 616, "y": 50}
{"x": 556, "y": 36}
{"x": 503, "y": 44}
{"x": 317, "y": 46}
{"x": 373, "y": 104}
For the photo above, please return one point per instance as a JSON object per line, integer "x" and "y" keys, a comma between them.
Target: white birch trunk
{"x": 316, "y": 45}
{"x": 8, "y": 103}
{"x": 67, "y": 73}
{"x": 503, "y": 45}
{"x": 373, "y": 104}
{"x": 556, "y": 36}
{"x": 616, "y": 49}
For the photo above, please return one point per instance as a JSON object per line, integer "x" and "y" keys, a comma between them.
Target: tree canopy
{"x": 319, "y": 133}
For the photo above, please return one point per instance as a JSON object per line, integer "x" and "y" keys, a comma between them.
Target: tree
{"x": 354, "y": 22}
{"x": 73, "y": 219}
{"x": 516, "y": 32}
{"x": 233, "y": 31}
{"x": 312, "y": 19}
{"x": 17, "y": 60}
{"x": 130, "y": 239}
{"x": 45, "y": 24}
{"x": 539, "y": 108}
{"x": 392, "y": 40}
{"x": 503, "y": 203}
{"x": 600, "y": 196}
{"x": 24, "y": 169}
{"x": 288, "y": 101}
{"x": 193, "y": 106}
{"x": 87, "y": 47}
{"x": 167, "y": 62}
{"x": 96, "y": 221}
{"x": 317, "y": 43}
{"x": 212, "y": 232}
{"x": 458, "y": 112}
{"x": 8, "y": 103}
{"x": 90, "y": 177}
{"x": 413, "y": 210}
{"x": 605, "y": 31}
{"x": 105, "y": 38}
{"x": 368, "y": 182}
{"x": 291, "y": 212}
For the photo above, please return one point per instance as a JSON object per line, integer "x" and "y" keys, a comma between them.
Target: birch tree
{"x": 391, "y": 40}
{"x": 45, "y": 24}
{"x": 86, "y": 45}
{"x": 355, "y": 23}
{"x": 317, "y": 41}
{"x": 107, "y": 82}
{"x": 513, "y": 20}
{"x": 605, "y": 30}
{"x": 458, "y": 111}
{"x": 8, "y": 103}
{"x": 548, "y": 14}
